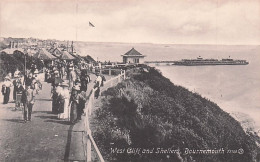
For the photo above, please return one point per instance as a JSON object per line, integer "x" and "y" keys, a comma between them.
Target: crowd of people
{"x": 25, "y": 88}
{"x": 69, "y": 84}
{"x": 69, "y": 89}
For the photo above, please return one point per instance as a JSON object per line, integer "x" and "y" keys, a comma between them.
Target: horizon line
{"x": 134, "y": 42}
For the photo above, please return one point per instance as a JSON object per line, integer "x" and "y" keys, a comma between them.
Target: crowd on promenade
{"x": 69, "y": 83}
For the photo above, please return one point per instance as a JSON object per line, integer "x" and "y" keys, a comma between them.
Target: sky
{"x": 134, "y": 21}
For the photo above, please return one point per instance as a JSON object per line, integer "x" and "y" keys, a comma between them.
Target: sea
{"x": 235, "y": 88}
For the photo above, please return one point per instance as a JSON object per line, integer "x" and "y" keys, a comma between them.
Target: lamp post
{"x": 24, "y": 69}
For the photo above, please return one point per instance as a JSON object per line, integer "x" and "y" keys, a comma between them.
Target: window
{"x": 124, "y": 59}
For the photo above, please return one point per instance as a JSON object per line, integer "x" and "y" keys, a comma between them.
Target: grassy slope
{"x": 154, "y": 113}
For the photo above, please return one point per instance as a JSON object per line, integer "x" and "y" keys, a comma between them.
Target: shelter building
{"x": 66, "y": 56}
{"x": 57, "y": 52}
{"x": 43, "y": 54}
{"x": 133, "y": 57}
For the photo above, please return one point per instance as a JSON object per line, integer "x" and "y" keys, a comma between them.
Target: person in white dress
{"x": 37, "y": 84}
{"x": 6, "y": 89}
{"x": 97, "y": 85}
{"x": 65, "y": 97}
{"x": 72, "y": 78}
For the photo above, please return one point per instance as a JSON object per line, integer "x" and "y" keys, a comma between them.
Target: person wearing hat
{"x": 63, "y": 112}
{"x": 36, "y": 81}
{"x": 28, "y": 99}
{"x": 16, "y": 78}
{"x": 84, "y": 80}
{"x": 19, "y": 91}
{"x": 17, "y": 73}
{"x": 16, "y": 83}
{"x": 33, "y": 67}
{"x": 72, "y": 77}
{"x": 55, "y": 95}
{"x": 6, "y": 89}
{"x": 62, "y": 70}
{"x": 56, "y": 72}
{"x": 36, "y": 72}
{"x": 9, "y": 75}
{"x": 82, "y": 101}
{"x": 46, "y": 74}
{"x": 97, "y": 85}
{"x": 59, "y": 101}
{"x": 74, "y": 102}
{"x": 29, "y": 79}
{"x": 37, "y": 85}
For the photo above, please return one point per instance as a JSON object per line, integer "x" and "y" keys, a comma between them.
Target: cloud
{"x": 191, "y": 28}
{"x": 168, "y": 21}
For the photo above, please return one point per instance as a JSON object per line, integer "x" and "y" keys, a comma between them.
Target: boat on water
{"x": 200, "y": 62}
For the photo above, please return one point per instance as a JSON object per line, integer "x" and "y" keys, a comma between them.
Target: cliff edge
{"x": 148, "y": 118}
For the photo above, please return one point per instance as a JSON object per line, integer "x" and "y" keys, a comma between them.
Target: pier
{"x": 159, "y": 63}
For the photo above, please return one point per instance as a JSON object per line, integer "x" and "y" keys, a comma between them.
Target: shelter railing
{"x": 88, "y": 110}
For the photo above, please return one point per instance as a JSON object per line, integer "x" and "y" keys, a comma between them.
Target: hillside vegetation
{"x": 8, "y": 64}
{"x": 146, "y": 115}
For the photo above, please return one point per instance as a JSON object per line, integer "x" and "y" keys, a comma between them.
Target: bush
{"x": 156, "y": 113}
{"x": 8, "y": 64}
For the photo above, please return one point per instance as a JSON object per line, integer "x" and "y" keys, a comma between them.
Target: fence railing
{"x": 88, "y": 110}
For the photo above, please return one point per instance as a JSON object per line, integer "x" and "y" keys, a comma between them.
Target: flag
{"x": 90, "y": 24}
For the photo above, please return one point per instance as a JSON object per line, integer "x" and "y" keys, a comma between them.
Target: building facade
{"x": 133, "y": 57}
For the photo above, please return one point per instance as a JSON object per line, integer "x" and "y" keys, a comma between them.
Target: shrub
{"x": 156, "y": 113}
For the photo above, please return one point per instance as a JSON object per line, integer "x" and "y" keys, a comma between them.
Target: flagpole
{"x": 77, "y": 20}
{"x": 24, "y": 69}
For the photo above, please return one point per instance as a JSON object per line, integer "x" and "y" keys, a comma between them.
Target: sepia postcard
{"x": 130, "y": 80}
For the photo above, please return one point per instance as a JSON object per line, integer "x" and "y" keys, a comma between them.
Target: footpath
{"x": 45, "y": 138}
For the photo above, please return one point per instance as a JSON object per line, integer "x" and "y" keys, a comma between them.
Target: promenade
{"x": 45, "y": 138}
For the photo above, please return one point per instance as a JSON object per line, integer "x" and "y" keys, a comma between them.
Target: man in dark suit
{"x": 28, "y": 99}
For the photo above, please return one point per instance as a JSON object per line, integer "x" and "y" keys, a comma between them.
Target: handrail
{"x": 110, "y": 80}
{"x": 96, "y": 148}
{"x": 88, "y": 111}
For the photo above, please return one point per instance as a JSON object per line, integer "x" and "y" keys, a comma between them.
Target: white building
{"x": 133, "y": 57}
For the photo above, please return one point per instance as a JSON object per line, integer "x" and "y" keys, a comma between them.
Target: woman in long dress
{"x": 6, "y": 89}
{"x": 66, "y": 103}
{"x": 55, "y": 93}
{"x": 65, "y": 97}
{"x": 72, "y": 78}
{"x": 74, "y": 102}
{"x": 59, "y": 101}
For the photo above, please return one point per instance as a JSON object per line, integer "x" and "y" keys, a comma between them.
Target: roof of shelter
{"x": 66, "y": 56}
{"x": 43, "y": 54}
{"x": 133, "y": 52}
